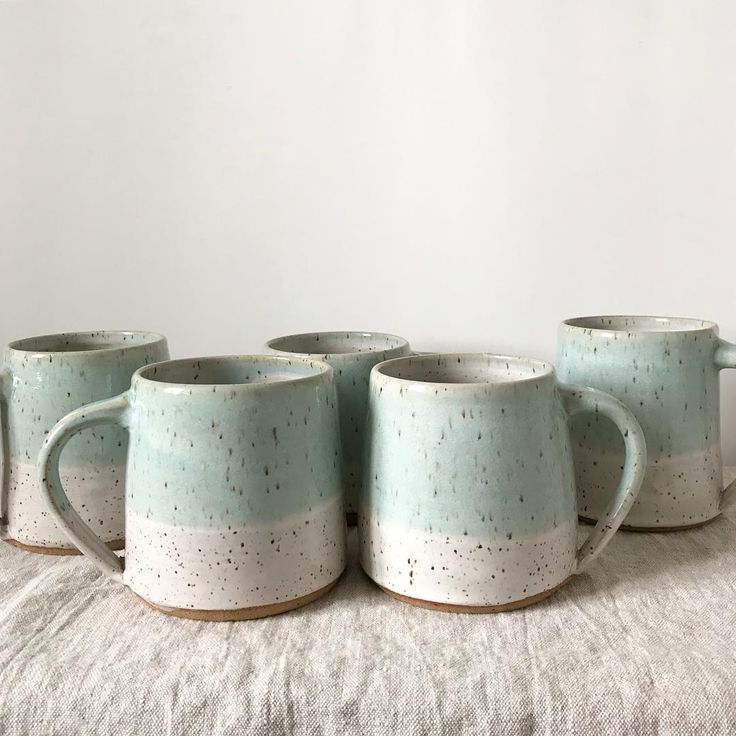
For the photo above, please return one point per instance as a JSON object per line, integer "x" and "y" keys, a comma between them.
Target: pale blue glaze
{"x": 233, "y": 440}
{"x": 45, "y": 378}
{"x": 468, "y": 489}
{"x": 352, "y": 355}
{"x": 52, "y": 375}
{"x": 665, "y": 370}
{"x": 489, "y": 457}
{"x": 233, "y": 489}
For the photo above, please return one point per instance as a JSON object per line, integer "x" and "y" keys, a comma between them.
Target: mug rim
{"x": 19, "y": 346}
{"x": 669, "y": 325}
{"x": 401, "y": 342}
{"x": 545, "y": 370}
{"x": 321, "y": 371}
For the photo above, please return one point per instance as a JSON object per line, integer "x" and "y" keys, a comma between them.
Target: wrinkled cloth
{"x": 643, "y": 643}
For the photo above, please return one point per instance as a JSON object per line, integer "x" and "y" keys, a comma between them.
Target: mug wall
{"x": 352, "y": 355}
{"x": 665, "y": 372}
{"x": 44, "y": 379}
{"x": 234, "y": 491}
{"x": 469, "y": 496}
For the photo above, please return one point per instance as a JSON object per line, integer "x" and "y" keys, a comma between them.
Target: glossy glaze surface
{"x": 666, "y": 371}
{"x": 233, "y": 495}
{"x": 469, "y": 495}
{"x": 352, "y": 355}
{"x": 44, "y": 378}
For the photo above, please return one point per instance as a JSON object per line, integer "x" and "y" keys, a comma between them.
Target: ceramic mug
{"x": 666, "y": 370}
{"x": 233, "y": 494}
{"x": 42, "y": 379}
{"x": 352, "y": 355}
{"x": 469, "y": 494}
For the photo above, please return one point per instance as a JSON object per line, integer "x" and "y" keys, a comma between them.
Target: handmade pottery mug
{"x": 352, "y": 355}
{"x": 469, "y": 497}
{"x": 233, "y": 493}
{"x": 42, "y": 379}
{"x": 666, "y": 370}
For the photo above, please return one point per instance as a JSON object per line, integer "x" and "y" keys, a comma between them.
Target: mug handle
{"x": 5, "y": 381}
{"x": 581, "y": 399}
{"x": 108, "y": 411}
{"x": 725, "y": 357}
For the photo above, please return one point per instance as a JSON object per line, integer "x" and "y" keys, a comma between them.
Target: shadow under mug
{"x": 233, "y": 492}
{"x": 666, "y": 370}
{"x": 469, "y": 495}
{"x": 42, "y": 379}
{"x": 352, "y": 355}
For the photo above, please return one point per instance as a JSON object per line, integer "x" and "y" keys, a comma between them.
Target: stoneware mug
{"x": 352, "y": 355}
{"x": 469, "y": 497}
{"x": 233, "y": 500}
{"x": 666, "y": 370}
{"x": 41, "y": 380}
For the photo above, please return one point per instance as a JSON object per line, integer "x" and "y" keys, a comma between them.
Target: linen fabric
{"x": 643, "y": 643}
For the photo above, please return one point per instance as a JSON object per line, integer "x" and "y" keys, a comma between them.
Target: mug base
{"x": 244, "y": 614}
{"x": 460, "y": 608}
{"x": 655, "y": 529}
{"x": 114, "y": 545}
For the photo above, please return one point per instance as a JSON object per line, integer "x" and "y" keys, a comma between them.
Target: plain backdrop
{"x": 465, "y": 174}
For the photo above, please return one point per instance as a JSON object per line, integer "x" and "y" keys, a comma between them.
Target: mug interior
{"x": 81, "y": 342}
{"x": 465, "y": 368}
{"x": 231, "y": 370}
{"x": 639, "y": 323}
{"x": 330, "y": 343}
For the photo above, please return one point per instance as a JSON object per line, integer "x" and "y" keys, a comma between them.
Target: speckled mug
{"x": 42, "y": 379}
{"x": 233, "y": 495}
{"x": 666, "y": 370}
{"x": 469, "y": 498}
{"x": 352, "y": 355}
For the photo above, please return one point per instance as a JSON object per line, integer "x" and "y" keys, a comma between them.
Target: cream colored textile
{"x": 645, "y": 643}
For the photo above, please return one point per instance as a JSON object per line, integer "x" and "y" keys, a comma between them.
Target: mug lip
{"x": 402, "y": 342}
{"x": 670, "y": 325}
{"x": 321, "y": 371}
{"x": 544, "y": 370}
{"x": 149, "y": 338}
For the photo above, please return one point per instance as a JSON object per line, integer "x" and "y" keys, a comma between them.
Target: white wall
{"x": 465, "y": 174}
